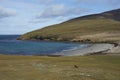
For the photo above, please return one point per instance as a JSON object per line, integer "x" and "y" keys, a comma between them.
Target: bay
{"x": 9, "y": 45}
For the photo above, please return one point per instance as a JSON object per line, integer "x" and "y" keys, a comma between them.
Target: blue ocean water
{"x": 9, "y": 45}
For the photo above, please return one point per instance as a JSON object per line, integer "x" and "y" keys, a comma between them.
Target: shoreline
{"x": 95, "y": 48}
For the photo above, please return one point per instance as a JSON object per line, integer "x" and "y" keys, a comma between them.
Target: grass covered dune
{"x": 100, "y": 67}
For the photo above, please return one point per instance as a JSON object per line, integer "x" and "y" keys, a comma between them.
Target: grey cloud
{"x": 45, "y": 1}
{"x": 5, "y": 12}
{"x": 108, "y": 2}
{"x": 59, "y": 11}
{"x": 39, "y": 20}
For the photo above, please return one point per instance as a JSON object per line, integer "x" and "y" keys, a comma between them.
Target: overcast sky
{"x": 21, "y": 16}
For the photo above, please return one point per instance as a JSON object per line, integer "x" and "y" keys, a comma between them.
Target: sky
{"x": 22, "y": 16}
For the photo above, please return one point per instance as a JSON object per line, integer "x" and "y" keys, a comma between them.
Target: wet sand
{"x": 94, "y": 48}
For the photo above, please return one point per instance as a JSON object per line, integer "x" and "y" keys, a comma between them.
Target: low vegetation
{"x": 100, "y": 67}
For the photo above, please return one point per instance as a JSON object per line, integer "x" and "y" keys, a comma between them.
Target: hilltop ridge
{"x": 103, "y": 27}
{"x": 113, "y": 14}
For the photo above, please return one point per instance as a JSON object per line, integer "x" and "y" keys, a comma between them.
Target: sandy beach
{"x": 94, "y": 48}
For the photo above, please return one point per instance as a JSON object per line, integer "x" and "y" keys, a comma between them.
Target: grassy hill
{"x": 101, "y": 27}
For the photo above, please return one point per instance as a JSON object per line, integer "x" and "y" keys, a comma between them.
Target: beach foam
{"x": 94, "y": 48}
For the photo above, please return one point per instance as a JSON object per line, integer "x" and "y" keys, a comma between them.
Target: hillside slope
{"x": 101, "y": 27}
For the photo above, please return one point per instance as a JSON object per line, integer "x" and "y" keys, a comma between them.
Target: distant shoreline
{"x": 94, "y": 48}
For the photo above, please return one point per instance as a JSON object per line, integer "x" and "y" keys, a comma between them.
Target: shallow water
{"x": 9, "y": 45}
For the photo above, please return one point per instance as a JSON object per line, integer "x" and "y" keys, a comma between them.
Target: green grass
{"x": 97, "y": 67}
{"x": 70, "y": 30}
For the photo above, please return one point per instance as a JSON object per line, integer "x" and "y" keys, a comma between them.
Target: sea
{"x": 10, "y": 46}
